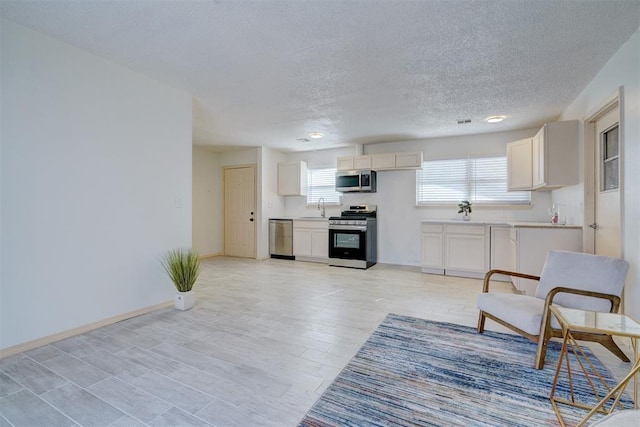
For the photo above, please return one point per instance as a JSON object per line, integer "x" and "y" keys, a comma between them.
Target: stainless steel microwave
{"x": 356, "y": 181}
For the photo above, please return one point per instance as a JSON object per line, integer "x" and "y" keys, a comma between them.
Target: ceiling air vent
{"x": 464, "y": 121}
{"x": 303, "y": 139}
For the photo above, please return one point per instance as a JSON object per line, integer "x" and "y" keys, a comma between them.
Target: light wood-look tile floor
{"x": 262, "y": 343}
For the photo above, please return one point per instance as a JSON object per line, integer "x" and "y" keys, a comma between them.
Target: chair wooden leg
{"x": 481, "y": 319}
{"x": 541, "y": 352}
{"x": 610, "y": 345}
{"x": 543, "y": 339}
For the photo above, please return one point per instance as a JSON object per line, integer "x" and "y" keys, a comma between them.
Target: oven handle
{"x": 348, "y": 227}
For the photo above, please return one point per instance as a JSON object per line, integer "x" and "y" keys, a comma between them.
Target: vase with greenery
{"x": 464, "y": 207}
{"x": 182, "y": 267}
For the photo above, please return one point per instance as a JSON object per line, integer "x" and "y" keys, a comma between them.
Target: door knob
{"x": 251, "y": 219}
{"x": 595, "y": 226}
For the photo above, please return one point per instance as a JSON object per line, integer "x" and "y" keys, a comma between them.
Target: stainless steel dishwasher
{"x": 281, "y": 238}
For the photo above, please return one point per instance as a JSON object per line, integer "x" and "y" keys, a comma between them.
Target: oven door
{"x": 348, "y": 242}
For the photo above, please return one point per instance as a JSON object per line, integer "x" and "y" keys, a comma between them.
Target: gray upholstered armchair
{"x": 568, "y": 279}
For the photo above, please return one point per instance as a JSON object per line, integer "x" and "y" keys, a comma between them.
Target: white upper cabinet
{"x": 555, "y": 161}
{"x": 381, "y": 161}
{"x": 292, "y": 179}
{"x": 409, "y": 160}
{"x": 547, "y": 161}
{"x": 345, "y": 163}
{"x": 519, "y": 164}
{"x": 362, "y": 162}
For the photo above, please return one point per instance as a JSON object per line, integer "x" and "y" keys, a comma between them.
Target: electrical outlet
{"x": 178, "y": 202}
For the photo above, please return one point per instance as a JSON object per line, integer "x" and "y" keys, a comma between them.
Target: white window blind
{"x": 481, "y": 180}
{"x": 322, "y": 183}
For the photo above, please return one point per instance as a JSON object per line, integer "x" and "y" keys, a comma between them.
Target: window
{"x": 322, "y": 183}
{"x": 481, "y": 180}
{"x": 610, "y": 157}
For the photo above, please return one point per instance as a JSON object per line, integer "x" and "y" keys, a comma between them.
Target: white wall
{"x": 1, "y": 174}
{"x": 209, "y": 166}
{"x": 272, "y": 205}
{"x": 207, "y": 231}
{"x": 96, "y": 185}
{"x": 623, "y": 69}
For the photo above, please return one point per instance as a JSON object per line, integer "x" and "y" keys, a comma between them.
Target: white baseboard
{"x": 30, "y": 345}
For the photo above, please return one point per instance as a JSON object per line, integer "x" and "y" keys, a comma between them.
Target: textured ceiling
{"x": 268, "y": 72}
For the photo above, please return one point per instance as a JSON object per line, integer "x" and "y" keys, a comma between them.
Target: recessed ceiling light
{"x": 494, "y": 119}
{"x": 315, "y": 135}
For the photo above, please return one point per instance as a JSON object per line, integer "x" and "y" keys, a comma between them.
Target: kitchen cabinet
{"x": 529, "y": 246}
{"x": 547, "y": 161}
{"x": 500, "y": 251}
{"x": 354, "y": 162}
{"x": 465, "y": 250}
{"x": 432, "y": 248}
{"x": 362, "y": 162}
{"x": 345, "y": 163}
{"x": 292, "y": 179}
{"x": 381, "y": 161}
{"x": 519, "y": 164}
{"x": 555, "y": 155}
{"x": 455, "y": 250}
{"x": 311, "y": 240}
{"x": 409, "y": 160}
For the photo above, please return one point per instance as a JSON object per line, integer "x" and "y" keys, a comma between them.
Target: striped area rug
{"x": 414, "y": 372}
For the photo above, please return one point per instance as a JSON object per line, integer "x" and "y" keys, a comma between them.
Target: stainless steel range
{"x": 353, "y": 240}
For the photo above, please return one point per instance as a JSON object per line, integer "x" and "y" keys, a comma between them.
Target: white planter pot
{"x": 185, "y": 300}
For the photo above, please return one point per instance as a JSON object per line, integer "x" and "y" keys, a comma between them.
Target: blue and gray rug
{"x": 414, "y": 372}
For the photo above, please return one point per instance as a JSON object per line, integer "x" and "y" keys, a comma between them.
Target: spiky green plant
{"x": 183, "y": 267}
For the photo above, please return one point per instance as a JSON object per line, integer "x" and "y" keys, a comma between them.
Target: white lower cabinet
{"x": 311, "y": 240}
{"x": 432, "y": 249}
{"x": 529, "y": 248}
{"x": 500, "y": 253}
{"x": 470, "y": 250}
{"x": 455, "y": 250}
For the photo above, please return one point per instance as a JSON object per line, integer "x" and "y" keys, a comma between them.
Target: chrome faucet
{"x": 322, "y": 212}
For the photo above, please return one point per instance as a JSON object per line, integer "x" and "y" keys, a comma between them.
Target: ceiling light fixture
{"x": 494, "y": 119}
{"x": 315, "y": 135}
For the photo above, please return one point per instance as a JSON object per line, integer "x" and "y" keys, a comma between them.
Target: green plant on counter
{"x": 464, "y": 207}
{"x": 183, "y": 267}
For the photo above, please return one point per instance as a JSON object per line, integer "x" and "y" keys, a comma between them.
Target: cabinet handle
{"x": 595, "y": 226}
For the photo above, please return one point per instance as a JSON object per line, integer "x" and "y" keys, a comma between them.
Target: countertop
{"x": 302, "y": 218}
{"x": 523, "y": 224}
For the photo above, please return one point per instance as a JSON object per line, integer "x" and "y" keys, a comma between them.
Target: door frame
{"x": 255, "y": 203}
{"x": 615, "y": 101}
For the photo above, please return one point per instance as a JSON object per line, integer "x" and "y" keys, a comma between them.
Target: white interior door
{"x": 607, "y": 219}
{"x": 239, "y": 211}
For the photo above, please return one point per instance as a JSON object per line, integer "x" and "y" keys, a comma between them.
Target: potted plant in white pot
{"x": 464, "y": 207}
{"x": 183, "y": 267}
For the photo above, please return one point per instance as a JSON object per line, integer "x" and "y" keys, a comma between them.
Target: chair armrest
{"x": 614, "y": 299}
{"x": 487, "y": 277}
